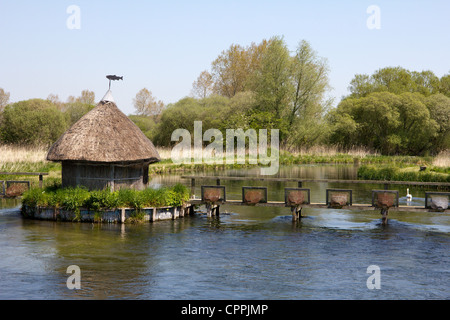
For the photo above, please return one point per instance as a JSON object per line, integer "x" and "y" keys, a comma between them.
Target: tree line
{"x": 265, "y": 86}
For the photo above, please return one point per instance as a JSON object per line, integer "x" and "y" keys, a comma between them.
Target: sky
{"x": 46, "y": 47}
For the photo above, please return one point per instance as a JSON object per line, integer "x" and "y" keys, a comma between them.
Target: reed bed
{"x": 442, "y": 159}
{"x": 19, "y": 154}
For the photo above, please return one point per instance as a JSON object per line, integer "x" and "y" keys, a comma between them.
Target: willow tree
{"x": 308, "y": 101}
{"x": 233, "y": 68}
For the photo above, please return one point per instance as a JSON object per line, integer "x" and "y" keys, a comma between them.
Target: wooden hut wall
{"x": 99, "y": 176}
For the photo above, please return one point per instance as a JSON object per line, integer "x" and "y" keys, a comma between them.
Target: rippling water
{"x": 246, "y": 253}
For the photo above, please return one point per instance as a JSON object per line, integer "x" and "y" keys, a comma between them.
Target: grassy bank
{"x": 21, "y": 159}
{"x": 399, "y": 173}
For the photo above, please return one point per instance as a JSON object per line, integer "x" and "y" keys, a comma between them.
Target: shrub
{"x": 73, "y": 198}
{"x": 32, "y": 122}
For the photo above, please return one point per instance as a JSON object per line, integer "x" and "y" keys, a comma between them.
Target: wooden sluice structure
{"x": 13, "y": 188}
{"x": 385, "y": 200}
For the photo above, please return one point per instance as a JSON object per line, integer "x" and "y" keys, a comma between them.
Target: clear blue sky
{"x": 164, "y": 45}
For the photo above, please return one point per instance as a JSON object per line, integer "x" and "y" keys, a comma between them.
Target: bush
{"x": 74, "y": 198}
{"x": 32, "y": 122}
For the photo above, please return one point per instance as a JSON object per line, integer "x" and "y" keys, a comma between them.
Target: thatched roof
{"x": 104, "y": 134}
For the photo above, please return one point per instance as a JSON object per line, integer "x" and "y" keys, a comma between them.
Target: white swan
{"x": 408, "y": 196}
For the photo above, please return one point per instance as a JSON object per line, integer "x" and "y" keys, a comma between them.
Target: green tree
{"x": 444, "y": 85}
{"x": 75, "y": 110}
{"x": 439, "y": 107}
{"x": 417, "y": 129}
{"x": 34, "y": 121}
{"x": 232, "y": 70}
{"x": 180, "y": 115}
{"x": 272, "y": 85}
{"x": 395, "y": 80}
{"x": 146, "y": 124}
{"x": 386, "y": 122}
{"x": 308, "y": 104}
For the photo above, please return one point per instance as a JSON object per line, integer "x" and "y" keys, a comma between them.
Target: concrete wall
{"x": 121, "y": 215}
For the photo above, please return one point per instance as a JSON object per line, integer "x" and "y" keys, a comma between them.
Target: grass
{"x": 403, "y": 173}
{"x": 28, "y": 159}
{"x": 75, "y": 198}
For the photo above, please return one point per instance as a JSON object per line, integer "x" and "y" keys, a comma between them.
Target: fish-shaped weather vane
{"x": 114, "y": 78}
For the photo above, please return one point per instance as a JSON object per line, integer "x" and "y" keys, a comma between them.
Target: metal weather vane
{"x": 114, "y": 78}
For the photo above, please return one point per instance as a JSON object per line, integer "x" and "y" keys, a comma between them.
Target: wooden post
{"x": 217, "y": 210}
{"x": 192, "y": 186}
{"x": 384, "y": 213}
{"x": 209, "y": 210}
{"x": 299, "y": 184}
{"x": 212, "y": 210}
{"x": 296, "y": 213}
{"x": 218, "y": 182}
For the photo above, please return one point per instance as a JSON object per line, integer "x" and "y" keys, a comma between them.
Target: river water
{"x": 245, "y": 253}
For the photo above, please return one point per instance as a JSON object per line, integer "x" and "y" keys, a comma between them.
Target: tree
{"x": 146, "y": 124}
{"x": 283, "y": 91}
{"x": 439, "y": 106}
{"x": 203, "y": 87}
{"x": 34, "y": 121}
{"x": 272, "y": 84}
{"x": 230, "y": 71}
{"x": 385, "y": 122}
{"x": 4, "y": 99}
{"x": 444, "y": 85}
{"x": 54, "y": 98}
{"x": 310, "y": 82}
{"x": 426, "y": 82}
{"x": 395, "y": 80}
{"x": 75, "y": 110}
{"x": 146, "y": 105}
{"x": 233, "y": 68}
{"x": 309, "y": 76}
{"x": 86, "y": 97}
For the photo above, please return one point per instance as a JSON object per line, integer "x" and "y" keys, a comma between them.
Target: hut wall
{"x": 102, "y": 176}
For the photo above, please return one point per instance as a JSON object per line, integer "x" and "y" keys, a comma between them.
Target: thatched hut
{"x": 104, "y": 149}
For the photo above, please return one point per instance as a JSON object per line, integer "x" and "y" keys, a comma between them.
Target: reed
{"x": 442, "y": 159}
{"x": 20, "y": 154}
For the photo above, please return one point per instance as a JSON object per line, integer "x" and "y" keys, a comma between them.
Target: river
{"x": 245, "y": 253}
